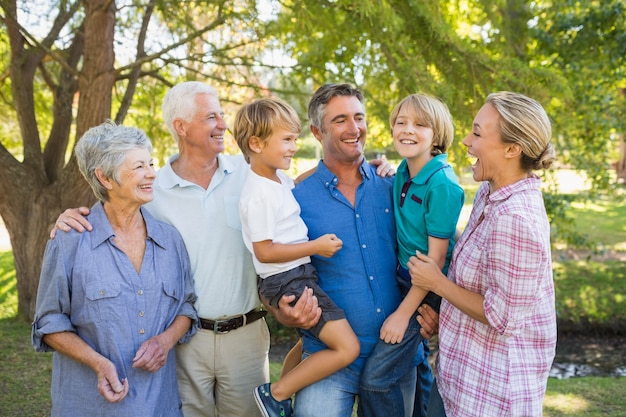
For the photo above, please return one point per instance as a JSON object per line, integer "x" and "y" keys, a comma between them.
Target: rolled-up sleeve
{"x": 515, "y": 274}
{"x": 53, "y": 298}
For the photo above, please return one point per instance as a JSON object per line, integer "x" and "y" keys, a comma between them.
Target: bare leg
{"x": 343, "y": 349}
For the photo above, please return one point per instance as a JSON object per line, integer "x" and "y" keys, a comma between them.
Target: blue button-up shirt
{"x": 89, "y": 286}
{"x": 360, "y": 278}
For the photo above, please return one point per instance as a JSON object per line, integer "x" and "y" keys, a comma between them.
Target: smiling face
{"x": 204, "y": 134}
{"x": 273, "y": 153}
{"x": 484, "y": 144}
{"x": 343, "y": 130}
{"x": 136, "y": 176}
{"x": 411, "y": 137}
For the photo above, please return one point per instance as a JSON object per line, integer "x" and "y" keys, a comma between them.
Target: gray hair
{"x": 323, "y": 95}
{"x": 180, "y": 103}
{"x": 524, "y": 121}
{"x": 105, "y": 147}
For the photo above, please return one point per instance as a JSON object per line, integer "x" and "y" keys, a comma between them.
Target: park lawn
{"x": 602, "y": 220}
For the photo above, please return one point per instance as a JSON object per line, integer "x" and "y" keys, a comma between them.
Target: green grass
{"x": 603, "y": 221}
{"x": 589, "y": 397}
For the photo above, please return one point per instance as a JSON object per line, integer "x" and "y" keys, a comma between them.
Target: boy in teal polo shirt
{"x": 427, "y": 202}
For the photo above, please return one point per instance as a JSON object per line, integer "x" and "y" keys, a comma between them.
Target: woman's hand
{"x": 425, "y": 272}
{"x": 152, "y": 355}
{"x": 109, "y": 384}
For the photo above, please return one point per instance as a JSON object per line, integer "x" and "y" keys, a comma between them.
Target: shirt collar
{"x": 103, "y": 231}
{"x": 169, "y": 179}
{"x": 435, "y": 164}
{"x": 330, "y": 179}
{"x": 532, "y": 182}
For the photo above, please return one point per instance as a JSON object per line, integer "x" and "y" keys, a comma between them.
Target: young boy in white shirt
{"x": 266, "y": 130}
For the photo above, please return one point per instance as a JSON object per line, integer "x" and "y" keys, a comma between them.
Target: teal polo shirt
{"x": 428, "y": 204}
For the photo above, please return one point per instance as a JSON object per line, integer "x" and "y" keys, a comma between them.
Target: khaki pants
{"x": 218, "y": 372}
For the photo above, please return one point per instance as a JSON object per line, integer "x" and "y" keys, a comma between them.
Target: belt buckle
{"x": 216, "y": 325}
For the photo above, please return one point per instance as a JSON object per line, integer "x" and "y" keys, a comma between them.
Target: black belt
{"x": 232, "y": 323}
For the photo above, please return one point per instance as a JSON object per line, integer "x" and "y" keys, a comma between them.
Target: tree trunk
{"x": 31, "y": 197}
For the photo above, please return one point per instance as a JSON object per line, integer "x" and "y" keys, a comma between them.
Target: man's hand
{"x": 72, "y": 218}
{"x": 304, "y": 314}
{"x": 429, "y": 320}
{"x": 383, "y": 167}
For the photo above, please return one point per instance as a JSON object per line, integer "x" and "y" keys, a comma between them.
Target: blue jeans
{"x": 381, "y": 394}
{"x": 335, "y": 396}
{"x": 435, "y": 405}
{"x": 423, "y": 385}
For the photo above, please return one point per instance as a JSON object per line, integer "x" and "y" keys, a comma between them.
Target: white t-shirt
{"x": 269, "y": 211}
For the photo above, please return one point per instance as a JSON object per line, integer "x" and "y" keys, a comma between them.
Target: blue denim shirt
{"x": 88, "y": 286}
{"x": 360, "y": 278}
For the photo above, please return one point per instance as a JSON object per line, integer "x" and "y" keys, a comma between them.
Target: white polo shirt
{"x": 208, "y": 220}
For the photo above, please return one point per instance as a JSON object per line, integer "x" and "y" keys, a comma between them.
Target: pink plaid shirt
{"x": 500, "y": 369}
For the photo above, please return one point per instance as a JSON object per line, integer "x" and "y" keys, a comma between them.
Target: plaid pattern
{"x": 501, "y": 369}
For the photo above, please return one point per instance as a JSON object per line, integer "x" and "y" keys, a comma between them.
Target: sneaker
{"x": 269, "y": 406}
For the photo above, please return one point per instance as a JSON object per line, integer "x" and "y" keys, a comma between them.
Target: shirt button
{"x": 364, "y": 246}
{"x": 141, "y": 314}
{"x": 142, "y": 331}
{"x": 358, "y": 215}
{"x": 378, "y": 310}
{"x": 386, "y": 210}
{"x": 102, "y": 292}
{"x": 371, "y": 278}
{"x": 140, "y": 292}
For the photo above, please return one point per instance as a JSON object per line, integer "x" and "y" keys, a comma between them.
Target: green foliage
{"x": 590, "y": 295}
{"x": 586, "y": 41}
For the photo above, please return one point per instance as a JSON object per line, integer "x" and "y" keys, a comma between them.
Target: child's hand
{"x": 328, "y": 245}
{"x": 394, "y": 328}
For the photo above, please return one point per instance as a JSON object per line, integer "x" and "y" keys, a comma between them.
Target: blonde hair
{"x": 433, "y": 113}
{"x": 259, "y": 118}
{"x": 524, "y": 121}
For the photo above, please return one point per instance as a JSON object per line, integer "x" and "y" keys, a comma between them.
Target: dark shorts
{"x": 292, "y": 282}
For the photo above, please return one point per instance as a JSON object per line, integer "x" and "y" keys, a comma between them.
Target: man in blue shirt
{"x": 344, "y": 196}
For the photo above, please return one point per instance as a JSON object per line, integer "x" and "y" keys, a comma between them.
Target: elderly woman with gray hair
{"x": 497, "y": 326}
{"x": 114, "y": 302}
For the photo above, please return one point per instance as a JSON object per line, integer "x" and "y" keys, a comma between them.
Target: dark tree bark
{"x": 51, "y": 186}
